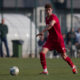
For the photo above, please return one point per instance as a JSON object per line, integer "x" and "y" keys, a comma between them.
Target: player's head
{"x": 48, "y": 9}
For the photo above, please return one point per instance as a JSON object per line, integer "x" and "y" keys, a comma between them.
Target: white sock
{"x": 73, "y": 67}
{"x": 45, "y": 70}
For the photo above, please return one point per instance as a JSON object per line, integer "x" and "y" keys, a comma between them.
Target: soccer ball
{"x": 14, "y": 70}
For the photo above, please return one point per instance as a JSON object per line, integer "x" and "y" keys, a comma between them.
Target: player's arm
{"x": 50, "y": 26}
{"x": 47, "y": 28}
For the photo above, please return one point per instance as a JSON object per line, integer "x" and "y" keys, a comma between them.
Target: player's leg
{"x": 43, "y": 60}
{"x": 69, "y": 61}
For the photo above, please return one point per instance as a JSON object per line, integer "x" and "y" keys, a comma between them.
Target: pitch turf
{"x": 30, "y": 69}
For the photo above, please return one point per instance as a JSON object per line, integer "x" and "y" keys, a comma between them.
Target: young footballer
{"x": 54, "y": 40}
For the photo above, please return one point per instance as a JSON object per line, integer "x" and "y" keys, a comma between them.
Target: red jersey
{"x": 55, "y": 32}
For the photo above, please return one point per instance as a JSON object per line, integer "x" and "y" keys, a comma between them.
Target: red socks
{"x": 43, "y": 60}
{"x": 68, "y": 60}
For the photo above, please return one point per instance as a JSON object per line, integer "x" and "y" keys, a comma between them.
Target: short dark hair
{"x": 48, "y": 5}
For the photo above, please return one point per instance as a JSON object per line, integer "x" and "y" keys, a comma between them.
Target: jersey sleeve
{"x": 54, "y": 17}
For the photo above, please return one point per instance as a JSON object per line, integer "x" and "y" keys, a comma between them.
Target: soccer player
{"x": 54, "y": 41}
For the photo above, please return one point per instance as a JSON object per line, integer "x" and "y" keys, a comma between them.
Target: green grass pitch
{"x": 30, "y": 69}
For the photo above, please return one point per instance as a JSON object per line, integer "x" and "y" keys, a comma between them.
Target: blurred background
{"x": 26, "y": 18}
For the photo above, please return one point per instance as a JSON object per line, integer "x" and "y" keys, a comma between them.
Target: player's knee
{"x": 64, "y": 56}
{"x": 44, "y": 50}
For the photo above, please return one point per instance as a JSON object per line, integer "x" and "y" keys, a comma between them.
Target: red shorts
{"x": 58, "y": 46}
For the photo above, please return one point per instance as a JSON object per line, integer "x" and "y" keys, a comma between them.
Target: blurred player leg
{"x": 69, "y": 61}
{"x": 43, "y": 60}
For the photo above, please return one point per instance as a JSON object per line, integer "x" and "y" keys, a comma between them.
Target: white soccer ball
{"x": 14, "y": 70}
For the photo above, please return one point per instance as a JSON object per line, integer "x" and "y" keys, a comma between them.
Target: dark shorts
{"x": 58, "y": 46}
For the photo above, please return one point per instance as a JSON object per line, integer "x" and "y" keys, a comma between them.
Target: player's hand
{"x": 40, "y": 34}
